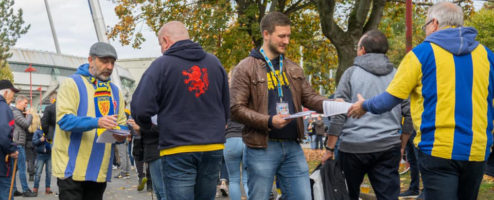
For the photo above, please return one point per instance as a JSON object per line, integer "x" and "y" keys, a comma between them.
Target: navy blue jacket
{"x": 7, "y": 146}
{"x": 188, "y": 89}
{"x": 41, "y": 147}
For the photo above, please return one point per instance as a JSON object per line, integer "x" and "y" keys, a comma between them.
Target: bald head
{"x": 170, "y": 33}
{"x": 174, "y": 30}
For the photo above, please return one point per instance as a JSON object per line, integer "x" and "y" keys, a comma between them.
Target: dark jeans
{"x": 450, "y": 179}
{"x": 191, "y": 175}
{"x": 319, "y": 144}
{"x": 224, "y": 171}
{"x": 490, "y": 164}
{"x": 381, "y": 168}
{"x": 80, "y": 190}
{"x": 414, "y": 166}
{"x": 140, "y": 169}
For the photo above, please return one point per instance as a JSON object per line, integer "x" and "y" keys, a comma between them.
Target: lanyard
{"x": 271, "y": 67}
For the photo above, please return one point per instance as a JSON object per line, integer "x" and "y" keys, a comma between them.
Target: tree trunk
{"x": 346, "y": 55}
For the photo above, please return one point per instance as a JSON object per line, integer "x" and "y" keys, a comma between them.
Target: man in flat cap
{"x": 7, "y": 146}
{"x": 88, "y": 104}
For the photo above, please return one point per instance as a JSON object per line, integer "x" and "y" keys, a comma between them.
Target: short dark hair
{"x": 374, "y": 41}
{"x": 273, "y": 19}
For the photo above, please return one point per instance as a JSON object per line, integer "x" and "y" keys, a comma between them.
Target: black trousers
{"x": 450, "y": 179}
{"x": 30, "y": 158}
{"x": 80, "y": 190}
{"x": 381, "y": 168}
{"x": 490, "y": 164}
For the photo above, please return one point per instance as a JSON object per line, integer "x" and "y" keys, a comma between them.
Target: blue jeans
{"x": 313, "y": 141}
{"x": 286, "y": 161}
{"x": 191, "y": 175}
{"x": 157, "y": 178}
{"x": 5, "y": 187}
{"x": 21, "y": 169}
{"x": 43, "y": 159}
{"x": 234, "y": 160}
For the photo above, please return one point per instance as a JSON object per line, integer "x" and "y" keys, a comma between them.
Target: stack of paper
{"x": 107, "y": 136}
{"x": 299, "y": 114}
{"x": 335, "y": 108}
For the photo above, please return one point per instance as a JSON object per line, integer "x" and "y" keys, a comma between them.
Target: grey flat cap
{"x": 102, "y": 49}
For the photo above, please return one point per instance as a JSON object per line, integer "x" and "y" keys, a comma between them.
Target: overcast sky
{"x": 74, "y": 28}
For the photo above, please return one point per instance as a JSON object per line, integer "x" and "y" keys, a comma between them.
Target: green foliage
{"x": 393, "y": 26}
{"x": 11, "y": 28}
{"x": 230, "y": 29}
{"x": 6, "y": 73}
{"x": 483, "y": 21}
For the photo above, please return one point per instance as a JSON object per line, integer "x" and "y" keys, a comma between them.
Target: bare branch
{"x": 424, "y": 3}
{"x": 376, "y": 15}
{"x": 295, "y": 7}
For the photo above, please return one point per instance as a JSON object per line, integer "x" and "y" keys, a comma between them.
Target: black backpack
{"x": 333, "y": 181}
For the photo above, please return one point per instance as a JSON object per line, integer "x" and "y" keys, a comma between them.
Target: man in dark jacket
{"x": 23, "y": 120}
{"x": 151, "y": 154}
{"x": 7, "y": 146}
{"x": 320, "y": 129}
{"x": 188, "y": 89}
{"x": 265, "y": 88}
{"x": 49, "y": 119}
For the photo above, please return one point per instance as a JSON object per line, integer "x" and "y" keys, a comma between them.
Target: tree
{"x": 230, "y": 29}
{"x": 6, "y": 73}
{"x": 11, "y": 28}
{"x": 483, "y": 21}
{"x": 364, "y": 15}
{"x": 360, "y": 20}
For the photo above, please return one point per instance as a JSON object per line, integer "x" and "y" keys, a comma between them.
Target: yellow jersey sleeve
{"x": 406, "y": 78}
{"x": 68, "y": 98}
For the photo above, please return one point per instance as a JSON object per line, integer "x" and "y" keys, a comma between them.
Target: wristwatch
{"x": 329, "y": 149}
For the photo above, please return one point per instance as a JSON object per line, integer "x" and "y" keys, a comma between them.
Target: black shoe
{"x": 409, "y": 194}
{"x": 149, "y": 189}
{"x": 29, "y": 193}
{"x": 17, "y": 193}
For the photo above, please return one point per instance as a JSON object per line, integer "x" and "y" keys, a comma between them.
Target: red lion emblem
{"x": 198, "y": 79}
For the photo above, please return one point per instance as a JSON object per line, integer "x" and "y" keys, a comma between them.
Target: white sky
{"x": 75, "y": 29}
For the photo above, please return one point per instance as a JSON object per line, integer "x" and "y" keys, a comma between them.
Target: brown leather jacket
{"x": 249, "y": 98}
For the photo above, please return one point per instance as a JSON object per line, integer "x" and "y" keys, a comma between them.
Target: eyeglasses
{"x": 425, "y": 25}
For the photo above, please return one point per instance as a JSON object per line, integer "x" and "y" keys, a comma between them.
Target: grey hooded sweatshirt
{"x": 369, "y": 76}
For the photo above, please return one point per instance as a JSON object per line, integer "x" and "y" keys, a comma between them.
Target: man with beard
{"x": 88, "y": 104}
{"x": 266, "y": 87}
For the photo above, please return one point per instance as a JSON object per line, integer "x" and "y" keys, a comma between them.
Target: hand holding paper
{"x": 335, "y": 108}
{"x": 108, "y": 135}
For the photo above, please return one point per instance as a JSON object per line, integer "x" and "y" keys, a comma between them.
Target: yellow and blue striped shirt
{"x": 451, "y": 100}
{"x": 75, "y": 153}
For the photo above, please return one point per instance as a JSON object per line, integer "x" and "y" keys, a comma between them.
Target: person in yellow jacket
{"x": 88, "y": 104}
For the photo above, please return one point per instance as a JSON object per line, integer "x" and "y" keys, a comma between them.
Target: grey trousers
{"x": 123, "y": 157}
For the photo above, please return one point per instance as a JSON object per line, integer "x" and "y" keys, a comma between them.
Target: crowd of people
{"x": 190, "y": 121}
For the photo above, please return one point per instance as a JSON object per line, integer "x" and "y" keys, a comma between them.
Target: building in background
{"x": 51, "y": 70}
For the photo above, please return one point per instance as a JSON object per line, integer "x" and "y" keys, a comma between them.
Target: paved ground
{"x": 117, "y": 189}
